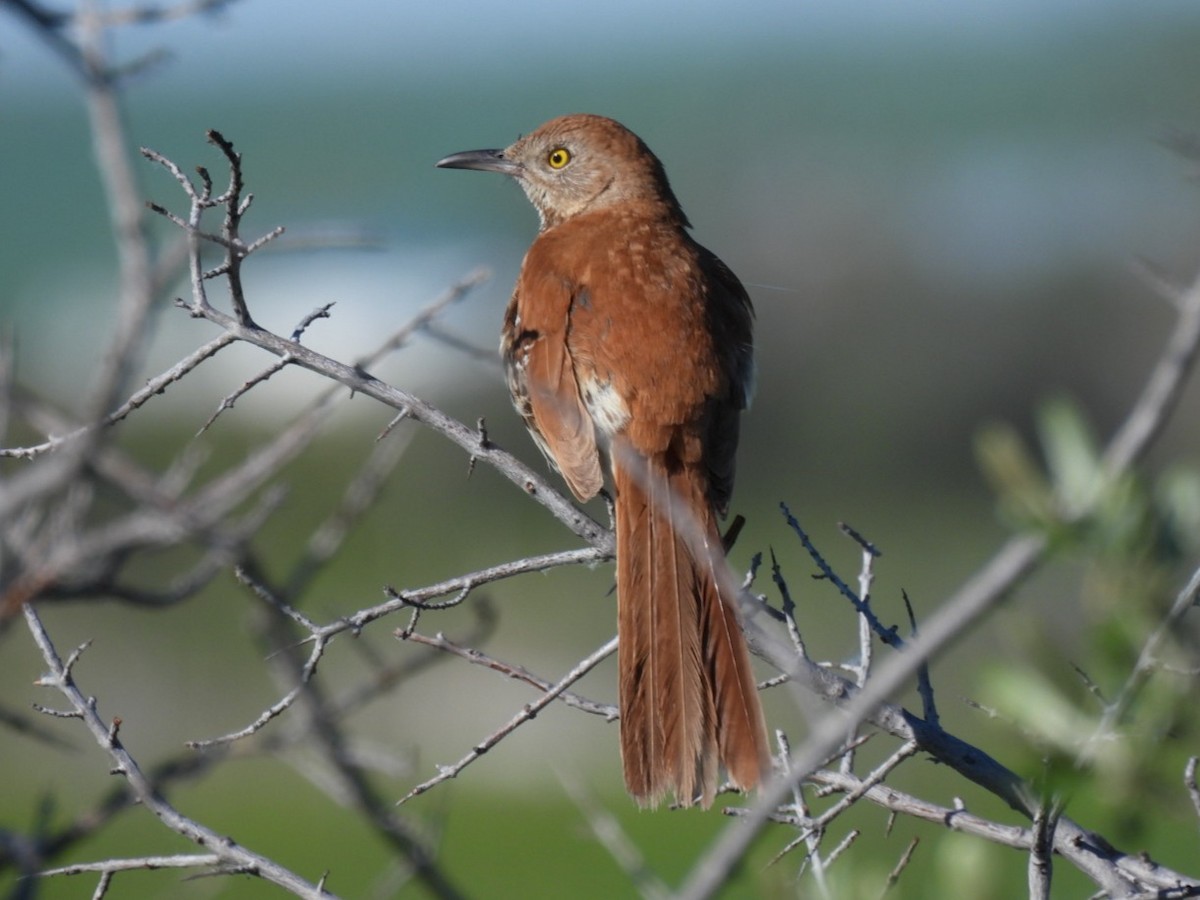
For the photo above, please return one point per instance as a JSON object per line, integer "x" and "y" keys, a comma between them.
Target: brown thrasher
{"x": 625, "y": 336}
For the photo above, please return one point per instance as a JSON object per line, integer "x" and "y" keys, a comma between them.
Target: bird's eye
{"x": 558, "y": 157}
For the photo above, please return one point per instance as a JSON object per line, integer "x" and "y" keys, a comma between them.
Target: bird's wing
{"x": 732, "y": 317}
{"x": 543, "y": 381}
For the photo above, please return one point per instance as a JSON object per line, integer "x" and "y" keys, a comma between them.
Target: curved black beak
{"x": 482, "y": 160}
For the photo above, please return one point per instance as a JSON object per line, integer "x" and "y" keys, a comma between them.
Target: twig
{"x": 320, "y": 642}
{"x": 424, "y": 320}
{"x": 1189, "y": 781}
{"x": 462, "y": 585}
{"x": 364, "y": 490}
{"x": 228, "y": 401}
{"x": 924, "y": 684}
{"x": 1185, "y": 600}
{"x": 321, "y": 312}
{"x": 150, "y": 863}
{"x": 866, "y": 577}
{"x": 344, "y": 776}
{"x": 866, "y": 644}
{"x": 153, "y": 388}
{"x": 812, "y": 835}
{"x": 1041, "y": 854}
{"x": 821, "y": 822}
{"x": 322, "y": 635}
{"x": 235, "y": 207}
{"x": 1090, "y": 684}
{"x": 526, "y": 714}
{"x": 841, "y": 848}
{"x": 789, "y": 608}
{"x": 518, "y": 673}
{"x": 886, "y": 634}
{"x": 232, "y": 854}
{"x": 620, "y": 847}
{"x": 388, "y": 671}
{"x": 901, "y": 865}
{"x": 915, "y": 807}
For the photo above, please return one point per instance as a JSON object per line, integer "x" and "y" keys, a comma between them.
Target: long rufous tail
{"x": 687, "y": 693}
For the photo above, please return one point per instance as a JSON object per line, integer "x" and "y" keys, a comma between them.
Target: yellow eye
{"x": 558, "y": 157}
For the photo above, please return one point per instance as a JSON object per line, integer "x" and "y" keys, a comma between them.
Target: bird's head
{"x": 576, "y": 164}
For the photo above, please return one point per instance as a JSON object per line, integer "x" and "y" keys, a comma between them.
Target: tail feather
{"x": 742, "y": 734}
{"x": 687, "y": 693}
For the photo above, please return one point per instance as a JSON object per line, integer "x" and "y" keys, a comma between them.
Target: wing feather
{"x": 544, "y": 385}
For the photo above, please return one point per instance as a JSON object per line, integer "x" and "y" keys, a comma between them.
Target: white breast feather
{"x": 606, "y": 407}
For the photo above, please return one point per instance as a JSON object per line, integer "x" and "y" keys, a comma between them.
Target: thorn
{"x": 735, "y": 529}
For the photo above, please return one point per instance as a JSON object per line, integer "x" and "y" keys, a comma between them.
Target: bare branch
{"x": 153, "y": 388}
{"x": 886, "y": 634}
{"x": 228, "y": 401}
{"x": 866, "y": 577}
{"x": 425, "y": 320}
{"x": 526, "y": 714}
{"x": 344, "y": 776}
{"x": 22, "y": 724}
{"x": 1041, "y": 854}
{"x": 515, "y": 672}
{"x": 360, "y": 495}
{"x": 231, "y": 854}
{"x": 789, "y": 608}
{"x": 1147, "y": 660}
{"x": 149, "y": 14}
{"x": 620, "y": 846}
{"x": 906, "y": 804}
{"x": 812, "y": 835}
{"x": 462, "y": 585}
{"x": 275, "y": 709}
{"x": 1189, "y": 781}
{"x": 321, "y": 312}
{"x": 818, "y": 825}
{"x": 150, "y": 863}
{"x": 841, "y": 848}
{"x": 1092, "y": 854}
{"x": 901, "y": 865}
{"x": 924, "y": 684}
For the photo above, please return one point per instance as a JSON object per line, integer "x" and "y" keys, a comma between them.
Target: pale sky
{"x": 275, "y": 38}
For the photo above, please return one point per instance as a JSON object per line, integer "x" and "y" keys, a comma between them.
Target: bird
{"x": 628, "y": 343}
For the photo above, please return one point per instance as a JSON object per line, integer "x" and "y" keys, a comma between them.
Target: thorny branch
{"x": 415, "y": 599}
{"x": 515, "y": 672}
{"x": 526, "y": 714}
{"x": 1189, "y": 781}
{"x": 230, "y": 855}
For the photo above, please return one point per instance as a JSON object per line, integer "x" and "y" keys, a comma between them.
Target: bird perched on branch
{"x": 626, "y": 339}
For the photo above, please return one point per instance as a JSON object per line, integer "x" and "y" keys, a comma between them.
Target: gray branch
{"x": 231, "y": 854}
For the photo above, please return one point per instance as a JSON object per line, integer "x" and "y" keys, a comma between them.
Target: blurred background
{"x": 936, "y": 207}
